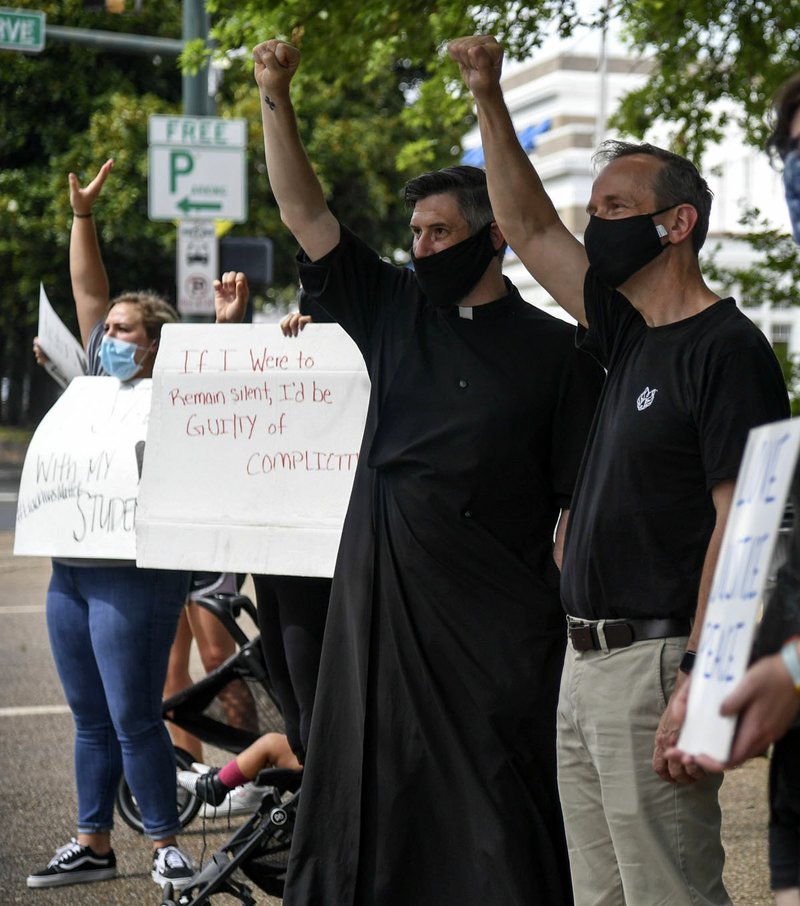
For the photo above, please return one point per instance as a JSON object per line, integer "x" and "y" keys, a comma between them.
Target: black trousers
{"x": 784, "y": 808}
{"x": 291, "y": 613}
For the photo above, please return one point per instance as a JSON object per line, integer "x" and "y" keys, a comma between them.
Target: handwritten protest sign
{"x": 77, "y": 494}
{"x": 252, "y": 448}
{"x": 66, "y": 358}
{"x": 738, "y": 585}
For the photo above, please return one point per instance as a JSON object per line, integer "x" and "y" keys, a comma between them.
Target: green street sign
{"x": 21, "y": 30}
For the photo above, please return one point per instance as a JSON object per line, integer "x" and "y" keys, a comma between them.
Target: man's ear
{"x": 681, "y": 223}
{"x": 498, "y": 239}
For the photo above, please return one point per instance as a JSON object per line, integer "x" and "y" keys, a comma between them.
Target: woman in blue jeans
{"x": 112, "y": 624}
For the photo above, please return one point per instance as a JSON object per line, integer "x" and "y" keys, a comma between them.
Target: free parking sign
{"x": 197, "y": 168}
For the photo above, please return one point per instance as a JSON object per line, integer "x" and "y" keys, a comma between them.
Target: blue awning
{"x": 527, "y": 138}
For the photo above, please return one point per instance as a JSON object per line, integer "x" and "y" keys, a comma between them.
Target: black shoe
{"x": 75, "y": 864}
{"x": 207, "y": 787}
{"x": 172, "y": 866}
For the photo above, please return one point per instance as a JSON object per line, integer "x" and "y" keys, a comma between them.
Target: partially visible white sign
{"x": 198, "y": 258}
{"x": 67, "y": 360}
{"x": 77, "y": 494}
{"x": 739, "y": 579}
{"x": 252, "y": 448}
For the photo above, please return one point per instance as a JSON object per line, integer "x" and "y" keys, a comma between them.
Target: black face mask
{"x": 617, "y": 249}
{"x": 451, "y": 274}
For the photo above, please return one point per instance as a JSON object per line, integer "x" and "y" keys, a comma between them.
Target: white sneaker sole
{"x": 72, "y": 877}
{"x": 177, "y": 883}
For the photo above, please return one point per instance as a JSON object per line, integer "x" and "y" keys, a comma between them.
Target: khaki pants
{"x": 634, "y": 840}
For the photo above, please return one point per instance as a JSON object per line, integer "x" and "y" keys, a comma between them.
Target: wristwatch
{"x": 687, "y": 662}
{"x": 792, "y": 660}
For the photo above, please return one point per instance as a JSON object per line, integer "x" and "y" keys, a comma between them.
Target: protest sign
{"x": 66, "y": 358}
{"x": 252, "y": 448}
{"x": 77, "y": 494}
{"x": 738, "y": 586}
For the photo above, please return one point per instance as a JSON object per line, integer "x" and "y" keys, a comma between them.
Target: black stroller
{"x": 231, "y": 708}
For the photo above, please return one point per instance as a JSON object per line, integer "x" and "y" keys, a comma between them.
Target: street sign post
{"x": 22, "y": 30}
{"x": 197, "y": 168}
{"x": 198, "y": 255}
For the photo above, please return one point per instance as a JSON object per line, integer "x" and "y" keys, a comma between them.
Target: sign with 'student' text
{"x": 77, "y": 494}
{"x": 252, "y": 448}
{"x": 737, "y": 589}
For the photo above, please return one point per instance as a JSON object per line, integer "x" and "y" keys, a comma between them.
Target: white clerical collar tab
{"x": 465, "y": 311}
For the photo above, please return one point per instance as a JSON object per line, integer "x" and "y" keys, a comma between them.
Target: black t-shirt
{"x": 673, "y": 420}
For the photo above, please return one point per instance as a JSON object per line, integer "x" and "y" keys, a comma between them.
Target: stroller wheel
{"x": 188, "y": 806}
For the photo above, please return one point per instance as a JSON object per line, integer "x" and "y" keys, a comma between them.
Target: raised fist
{"x": 276, "y": 63}
{"x": 480, "y": 59}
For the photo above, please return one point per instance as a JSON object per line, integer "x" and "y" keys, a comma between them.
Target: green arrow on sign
{"x": 186, "y": 205}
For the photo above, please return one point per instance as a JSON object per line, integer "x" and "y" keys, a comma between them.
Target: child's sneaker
{"x": 243, "y": 800}
{"x": 75, "y": 864}
{"x": 172, "y": 865}
{"x": 207, "y": 787}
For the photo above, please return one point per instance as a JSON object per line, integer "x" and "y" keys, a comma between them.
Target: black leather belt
{"x": 622, "y": 633}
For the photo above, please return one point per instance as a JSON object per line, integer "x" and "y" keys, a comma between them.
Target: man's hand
{"x": 667, "y": 761}
{"x": 276, "y": 63}
{"x": 480, "y": 59}
{"x": 82, "y": 200}
{"x": 230, "y": 297}
{"x": 292, "y": 324}
{"x": 766, "y": 703}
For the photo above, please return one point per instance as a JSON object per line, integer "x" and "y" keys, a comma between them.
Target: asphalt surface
{"x": 37, "y": 798}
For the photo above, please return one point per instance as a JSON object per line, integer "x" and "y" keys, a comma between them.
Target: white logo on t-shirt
{"x": 646, "y": 398}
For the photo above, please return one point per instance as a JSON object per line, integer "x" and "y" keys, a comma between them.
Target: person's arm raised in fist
{"x": 292, "y": 178}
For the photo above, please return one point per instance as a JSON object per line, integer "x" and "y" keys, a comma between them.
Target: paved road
{"x": 9, "y": 483}
{"x": 37, "y": 800}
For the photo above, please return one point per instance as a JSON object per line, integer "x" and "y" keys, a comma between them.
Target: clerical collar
{"x": 499, "y": 308}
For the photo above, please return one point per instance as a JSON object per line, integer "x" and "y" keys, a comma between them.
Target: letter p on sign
{"x": 181, "y": 163}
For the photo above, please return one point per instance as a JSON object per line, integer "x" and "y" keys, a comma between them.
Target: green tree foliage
{"x": 378, "y": 102}
{"x": 69, "y": 108}
{"x": 708, "y": 51}
{"x": 772, "y": 281}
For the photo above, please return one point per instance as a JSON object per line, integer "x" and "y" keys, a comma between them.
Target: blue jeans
{"x": 111, "y": 629}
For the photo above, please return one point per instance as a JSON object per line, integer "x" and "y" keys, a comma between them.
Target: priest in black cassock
{"x": 430, "y": 778}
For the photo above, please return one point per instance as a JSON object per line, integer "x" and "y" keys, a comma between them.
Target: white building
{"x": 559, "y": 101}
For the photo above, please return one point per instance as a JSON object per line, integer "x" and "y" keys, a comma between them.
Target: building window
{"x": 781, "y": 335}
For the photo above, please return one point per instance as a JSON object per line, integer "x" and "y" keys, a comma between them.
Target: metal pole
{"x": 602, "y": 107}
{"x": 196, "y": 101}
{"x": 113, "y": 40}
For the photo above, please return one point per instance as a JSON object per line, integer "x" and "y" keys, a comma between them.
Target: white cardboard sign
{"x": 66, "y": 355}
{"x": 77, "y": 494}
{"x": 252, "y": 448}
{"x": 739, "y": 579}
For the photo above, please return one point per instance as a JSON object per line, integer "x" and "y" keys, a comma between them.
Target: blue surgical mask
{"x": 118, "y": 358}
{"x": 791, "y": 187}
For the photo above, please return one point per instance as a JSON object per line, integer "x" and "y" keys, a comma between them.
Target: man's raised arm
{"x": 522, "y": 208}
{"x": 295, "y": 185}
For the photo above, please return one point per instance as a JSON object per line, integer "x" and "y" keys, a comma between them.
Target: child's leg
{"x": 790, "y": 897}
{"x": 272, "y": 750}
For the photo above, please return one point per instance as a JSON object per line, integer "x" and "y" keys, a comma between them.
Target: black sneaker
{"x": 172, "y": 865}
{"x": 207, "y": 787}
{"x": 75, "y": 864}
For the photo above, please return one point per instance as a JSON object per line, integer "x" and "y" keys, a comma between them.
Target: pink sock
{"x": 231, "y": 776}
